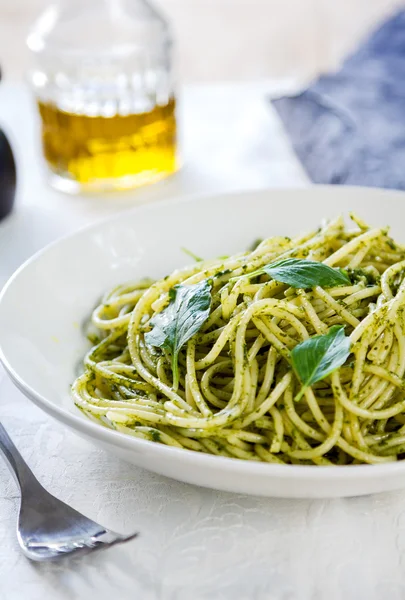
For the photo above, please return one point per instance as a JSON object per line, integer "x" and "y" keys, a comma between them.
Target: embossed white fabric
{"x": 195, "y": 544}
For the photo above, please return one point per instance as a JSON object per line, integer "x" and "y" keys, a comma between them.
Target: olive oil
{"x": 109, "y": 152}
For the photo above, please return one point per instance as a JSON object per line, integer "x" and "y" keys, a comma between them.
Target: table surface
{"x": 195, "y": 543}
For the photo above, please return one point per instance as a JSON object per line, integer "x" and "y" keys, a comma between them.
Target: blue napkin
{"x": 349, "y": 127}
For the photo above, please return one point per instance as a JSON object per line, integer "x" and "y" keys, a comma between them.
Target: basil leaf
{"x": 316, "y": 358}
{"x": 189, "y": 308}
{"x": 302, "y": 273}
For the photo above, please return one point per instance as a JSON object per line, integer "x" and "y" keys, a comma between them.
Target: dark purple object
{"x": 349, "y": 127}
{"x": 8, "y": 178}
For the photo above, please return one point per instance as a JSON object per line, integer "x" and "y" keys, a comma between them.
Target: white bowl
{"x": 44, "y": 304}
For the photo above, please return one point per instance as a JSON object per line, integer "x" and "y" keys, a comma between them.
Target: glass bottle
{"x": 103, "y": 82}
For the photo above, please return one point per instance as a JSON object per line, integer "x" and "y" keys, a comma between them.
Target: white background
{"x": 234, "y": 39}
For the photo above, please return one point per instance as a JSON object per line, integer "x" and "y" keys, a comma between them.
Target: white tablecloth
{"x": 195, "y": 544}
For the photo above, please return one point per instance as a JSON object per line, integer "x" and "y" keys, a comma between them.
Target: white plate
{"x": 47, "y": 299}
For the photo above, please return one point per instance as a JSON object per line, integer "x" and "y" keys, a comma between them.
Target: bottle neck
{"x": 98, "y": 28}
{"x": 117, "y": 8}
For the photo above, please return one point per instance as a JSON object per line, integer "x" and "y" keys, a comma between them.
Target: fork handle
{"x": 18, "y": 467}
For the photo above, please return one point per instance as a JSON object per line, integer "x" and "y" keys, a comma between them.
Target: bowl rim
{"x": 126, "y": 442}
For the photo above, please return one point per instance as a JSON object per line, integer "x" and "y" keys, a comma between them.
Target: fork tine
{"x": 44, "y": 552}
{"x": 117, "y": 538}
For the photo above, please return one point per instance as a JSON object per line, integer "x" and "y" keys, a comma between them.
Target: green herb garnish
{"x": 358, "y": 275}
{"x": 189, "y": 308}
{"x": 316, "y": 358}
{"x": 192, "y": 255}
{"x": 255, "y": 244}
{"x": 302, "y": 273}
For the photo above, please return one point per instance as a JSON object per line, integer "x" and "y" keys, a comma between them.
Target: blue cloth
{"x": 349, "y": 127}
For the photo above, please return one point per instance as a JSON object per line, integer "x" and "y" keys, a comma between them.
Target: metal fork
{"x": 47, "y": 528}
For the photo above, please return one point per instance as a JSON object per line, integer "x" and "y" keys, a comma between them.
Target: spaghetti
{"x": 229, "y": 386}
